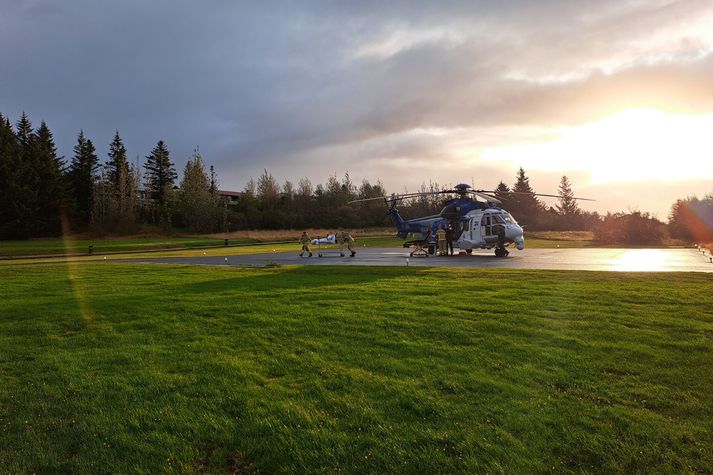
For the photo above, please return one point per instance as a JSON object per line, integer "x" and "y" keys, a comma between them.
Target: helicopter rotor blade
{"x": 368, "y": 199}
{"x": 404, "y": 196}
{"x": 489, "y": 198}
{"x": 532, "y": 194}
{"x": 487, "y": 194}
{"x": 388, "y": 199}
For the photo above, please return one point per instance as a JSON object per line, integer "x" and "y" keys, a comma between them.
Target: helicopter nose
{"x": 515, "y": 235}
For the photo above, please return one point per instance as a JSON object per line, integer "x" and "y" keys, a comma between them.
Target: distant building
{"x": 231, "y": 197}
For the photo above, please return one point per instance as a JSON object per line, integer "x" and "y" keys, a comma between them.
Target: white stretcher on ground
{"x": 330, "y": 239}
{"x": 329, "y": 247}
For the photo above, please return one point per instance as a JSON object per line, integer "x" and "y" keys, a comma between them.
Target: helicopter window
{"x": 485, "y": 221}
{"x": 507, "y": 218}
{"x": 498, "y": 219}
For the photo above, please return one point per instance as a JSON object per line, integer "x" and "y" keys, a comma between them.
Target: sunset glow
{"x": 631, "y": 145}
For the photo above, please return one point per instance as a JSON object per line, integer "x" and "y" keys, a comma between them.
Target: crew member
{"x": 441, "y": 236}
{"x": 305, "y": 240}
{"x": 449, "y": 238}
{"x": 349, "y": 241}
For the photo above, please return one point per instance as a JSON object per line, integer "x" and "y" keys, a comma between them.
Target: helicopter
{"x": 474, "y": 224}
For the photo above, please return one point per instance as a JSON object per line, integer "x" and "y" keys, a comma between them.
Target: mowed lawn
{"x": 59, "y": 246}
{"x": 109, "y": 367}
{"x": 43, "y": 249}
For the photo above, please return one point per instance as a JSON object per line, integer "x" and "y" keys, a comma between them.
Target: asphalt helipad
{"x": 599, "y": 259}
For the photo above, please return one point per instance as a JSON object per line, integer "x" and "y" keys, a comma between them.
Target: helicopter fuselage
{"x": 476, "y": 225}
{"x": 488, "y": 228}
{"x": 472, "y": 224}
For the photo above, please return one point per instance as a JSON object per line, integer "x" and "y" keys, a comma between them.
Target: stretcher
{"x": 330, "y": 249}
{"x": 420, "y": 248}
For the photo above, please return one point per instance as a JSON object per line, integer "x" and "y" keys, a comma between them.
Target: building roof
{"x": 236, "y": 194}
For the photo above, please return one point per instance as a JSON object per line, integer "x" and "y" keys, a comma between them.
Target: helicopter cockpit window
{"x": 507, "y": 218}
{"x": 498, "y": 219}
{"x": 486, "y": 220}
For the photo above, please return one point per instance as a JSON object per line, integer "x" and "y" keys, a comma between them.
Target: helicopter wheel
{"x": 501, "y": 252}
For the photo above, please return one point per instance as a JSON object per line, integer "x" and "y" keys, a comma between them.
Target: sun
{"x": 631, "y": 145}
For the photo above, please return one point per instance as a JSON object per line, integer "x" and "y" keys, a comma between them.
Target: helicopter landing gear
{"x": 501, "y": 252}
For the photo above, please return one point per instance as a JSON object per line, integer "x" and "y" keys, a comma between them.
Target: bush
{"x": 631, "y": 228}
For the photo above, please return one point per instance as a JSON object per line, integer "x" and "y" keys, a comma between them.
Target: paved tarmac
{"x": 648, "y": 260}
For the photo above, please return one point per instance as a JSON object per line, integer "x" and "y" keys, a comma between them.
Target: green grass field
{"x": 56, "y": 246}
{"x": 233, "y": 250}
{"x": 111, "y": 368}
{"x": 161, "y": 245}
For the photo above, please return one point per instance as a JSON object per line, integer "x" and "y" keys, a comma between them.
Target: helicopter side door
{"x": 474, "y": 230}
{"x": 486, "y": 225}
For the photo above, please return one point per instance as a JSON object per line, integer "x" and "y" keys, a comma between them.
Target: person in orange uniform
{"x": 305, "y": 240}
{"x": 349, "y": 241}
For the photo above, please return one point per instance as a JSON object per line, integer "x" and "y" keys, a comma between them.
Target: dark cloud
{"x": 361, "y": 85}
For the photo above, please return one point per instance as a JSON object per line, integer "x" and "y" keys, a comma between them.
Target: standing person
{"x": 349, "y": 241}
{"x": 441, "y": 237}
{"x": 305, "y": 240}
{"x": 449, "y": 238}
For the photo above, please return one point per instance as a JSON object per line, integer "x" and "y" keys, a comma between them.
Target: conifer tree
{"x": 524, "y": 201}
{"x": 24, "y": 136}
{"x": 52, "y": 192}
{"x": 567, "y": 205}
{"x": 11, "y": 210}
{"x": 83, "y": 175}
{"x": 27, "y": 196}
{"x": 160, "y": 177}
{"x": 117, "y": 165}
{"x": 502, "y": 192}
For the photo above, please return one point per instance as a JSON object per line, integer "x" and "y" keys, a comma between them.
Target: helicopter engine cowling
{"x": 450, "y": 212}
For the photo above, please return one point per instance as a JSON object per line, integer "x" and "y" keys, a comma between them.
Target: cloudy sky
{"x": 618, "y": 95}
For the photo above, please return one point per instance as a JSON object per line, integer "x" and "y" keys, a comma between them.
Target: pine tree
{"x": 160, "y": 178}
{"x": 11, "y": 208}
{"x": 52, "y": 192}
{"x": 567, "y": 205}
{"x": 524, "y": 202}
{"x": 25, "y": 136}
{"x": 117, "y": 165}
{"x": 502, "y": 192}
{"x": 121, "y": 212}
{"x": 29, "y": 181}
{"x": 83, "y": 176}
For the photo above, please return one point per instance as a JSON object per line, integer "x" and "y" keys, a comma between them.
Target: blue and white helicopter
{"x": 473, "y": 224}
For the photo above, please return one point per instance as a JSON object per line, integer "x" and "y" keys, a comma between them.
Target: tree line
{"x": 43, "y": 194}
